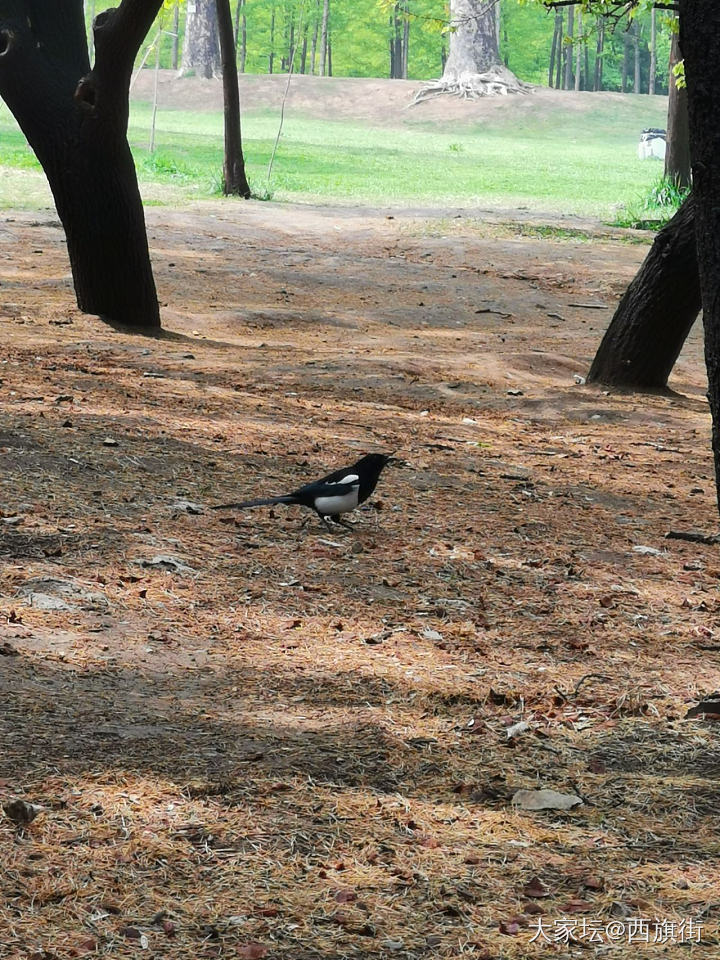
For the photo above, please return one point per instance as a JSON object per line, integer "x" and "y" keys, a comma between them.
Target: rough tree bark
{"x": 234, "y": 179}
{"x": 677, "y": 154}
{"x": 201, "y": 49}
{"x": 700, "y": 46}
{"x": 75, "y": 119}
{"x": 655, "y": 315}
{"x": 474, "y": 67}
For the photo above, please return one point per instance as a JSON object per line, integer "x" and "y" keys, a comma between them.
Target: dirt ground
{"x": 378, "y": 101}
{"x": 254, "y": 738}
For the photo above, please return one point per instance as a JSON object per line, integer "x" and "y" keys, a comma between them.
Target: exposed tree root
{"x": 498, "y": 81}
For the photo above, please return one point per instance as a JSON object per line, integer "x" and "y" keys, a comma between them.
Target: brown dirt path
{"x": 293, "y": 744}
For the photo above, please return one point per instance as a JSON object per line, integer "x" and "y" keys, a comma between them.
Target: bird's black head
{"x": 375, "y": 461}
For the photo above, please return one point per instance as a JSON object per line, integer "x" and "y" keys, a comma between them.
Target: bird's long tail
{"x": 262, "y": 502}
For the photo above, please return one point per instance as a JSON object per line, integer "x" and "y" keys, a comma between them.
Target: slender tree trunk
{"x": 304, "y": 50}
{"x": 568, "y": 48}
{"x": 75, "y": 119}
{"x": 405, "y": 42}
{"x": 553, "y": 52}
{"x": 175, "y": 56}
{"x": 599, "y": 53}
{"x": 324, "y": 37}
{"x": 329, "y": 54}
{"x": 653, "y": 51}
{"x": 700, "y": 45}
{"x": 559, "y": 64}
{"x": 677, "y": 153}
{"x": 578, "y": 51}
{"x": 636, "y": 53}
{"x": 316, "y": 28}
{"x": 271, "y": 55}
{"x": 201, "y": 50}
{"x": 234, "y": 179}
{"x": 655, "y": 315}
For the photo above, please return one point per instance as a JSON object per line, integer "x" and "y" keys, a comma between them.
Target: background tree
{"x": 700, "y": 45}
{"x": 677, "y": 153}
{"x": 75, "y": 119}
{"x": 474, "y": 67}
{"x": 201, "y": 49}
{"x": 234, "y": 179}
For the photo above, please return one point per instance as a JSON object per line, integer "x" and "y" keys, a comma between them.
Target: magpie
{"x": 337, "y": 493}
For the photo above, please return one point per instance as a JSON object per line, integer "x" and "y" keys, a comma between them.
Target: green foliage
{"x": 652, "y": 209}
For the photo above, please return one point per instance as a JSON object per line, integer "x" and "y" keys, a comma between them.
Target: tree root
{"x": 498, "y": 81}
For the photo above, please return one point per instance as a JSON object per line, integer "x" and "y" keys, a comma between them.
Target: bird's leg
{"x": 325, "y": 520}
{"x": 344, "y": 523}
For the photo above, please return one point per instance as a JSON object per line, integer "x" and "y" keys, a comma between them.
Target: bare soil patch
{"x": 378, "y": 101}
{"x": 252, "y": 738}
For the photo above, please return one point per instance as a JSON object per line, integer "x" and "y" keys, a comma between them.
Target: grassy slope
{"x": 573, "y": 161}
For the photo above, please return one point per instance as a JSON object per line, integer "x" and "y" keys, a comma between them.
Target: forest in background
{"x": 377, "y": 38}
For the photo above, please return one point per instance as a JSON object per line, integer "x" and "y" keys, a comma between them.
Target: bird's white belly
{"x": 330, "y": 506}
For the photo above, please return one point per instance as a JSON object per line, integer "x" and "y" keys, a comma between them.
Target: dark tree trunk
{"x": 176, "y": 35}
{"x": 636, "y": 55}
{"x": 271, "y": 55}
{"x": 201, "y": 50}
{"x": 677, "y": 154}
{"x": 316, "y": 28}
{"x": 626, "y": 62}
{"x": 656, "y": 313}
{"x": 568, "y": 49}
{"x": 234, "y": 179}
{"x": 405, "y": 43}
{"x": 556, "y": 45}
{"x": 653, "y": 52}
{"x": 559, "y": 60}
{"x": 324, "y": 37}
{"x": 304, "y": 49}
{"x": 599, "y": 53}
{"x": 75, "y": 120}
{"x": 700, "y": 45}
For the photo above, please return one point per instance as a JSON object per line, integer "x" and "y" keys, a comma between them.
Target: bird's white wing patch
{"x": 350, "y": 478}
{"x": 342, "y": 503}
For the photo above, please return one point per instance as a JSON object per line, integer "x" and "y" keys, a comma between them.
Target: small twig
{"x": 588, "y": 676}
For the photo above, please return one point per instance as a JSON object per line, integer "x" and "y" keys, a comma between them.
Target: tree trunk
{"x": 636, "y": 54}
{"x": 557, "y": 41}
{"x": 304, "y": 49}
{"x": 625, "y": 63}
{"x": 473, "y": 67}
{"x": 677, "y": 153}
{"x": 234, "y": 179}
{"x": 653, "y": 51}
{"x": 700, "y": 44}
{"x": 316, "y": 28}
{"x": 176, "y": 36}
{"x": 405, "y": 43}
{"x": 656, "y": 313}
{"x": 559, "y": 60}
{"x": 75, "y": 120}
{"x": 201, "y": 50}
{"x": 578, "y": 51}
{"x": 599, "y": 53}
{"x": 324, "y": 37}
{"x": 271, "y": 54}
{"x": 568, "y": 49}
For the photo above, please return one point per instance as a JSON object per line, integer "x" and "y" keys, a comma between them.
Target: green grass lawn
{"x": 579, "y": 162}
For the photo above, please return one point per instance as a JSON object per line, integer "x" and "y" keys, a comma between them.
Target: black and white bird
{"x": 337, "y": 493}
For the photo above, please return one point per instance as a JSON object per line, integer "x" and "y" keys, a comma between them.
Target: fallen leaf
{"x": 536, "y": 888}
{"x": 251, "y": 951}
